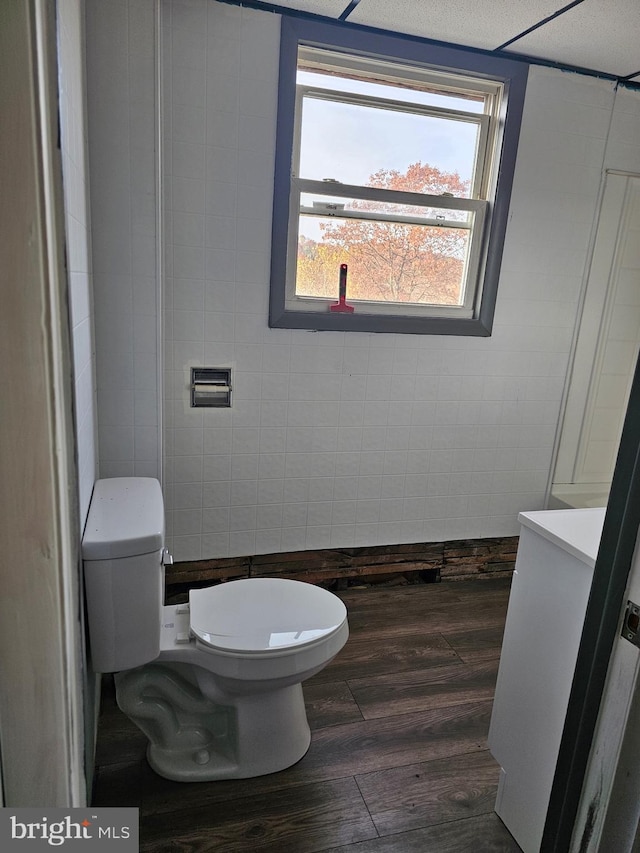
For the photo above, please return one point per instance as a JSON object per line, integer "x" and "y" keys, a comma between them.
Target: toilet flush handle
{"x": 167, "y": 558}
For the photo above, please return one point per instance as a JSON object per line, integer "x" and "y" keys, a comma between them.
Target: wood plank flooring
{"x": 398, "y": 761}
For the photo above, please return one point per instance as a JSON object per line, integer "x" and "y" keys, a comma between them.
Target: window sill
{"x": 361, "y": 322}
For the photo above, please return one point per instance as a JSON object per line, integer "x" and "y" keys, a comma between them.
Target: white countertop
{"x": 576, "y": 531}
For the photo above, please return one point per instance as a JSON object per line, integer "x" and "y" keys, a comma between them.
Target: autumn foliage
{"x": 389, "y": 261}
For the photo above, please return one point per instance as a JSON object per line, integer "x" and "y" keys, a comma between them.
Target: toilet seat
{"x": 264, "y": 616}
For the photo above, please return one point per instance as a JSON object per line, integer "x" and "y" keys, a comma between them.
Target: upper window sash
{"x": 483, "y": 123}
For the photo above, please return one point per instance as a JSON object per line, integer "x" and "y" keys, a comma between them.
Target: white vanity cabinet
{"x": 547, "y": 605}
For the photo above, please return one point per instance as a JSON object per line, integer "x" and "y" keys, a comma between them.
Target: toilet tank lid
{"x": 126, "y": 519}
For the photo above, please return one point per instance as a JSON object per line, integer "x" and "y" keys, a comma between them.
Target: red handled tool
{"x": 341, "y": 306}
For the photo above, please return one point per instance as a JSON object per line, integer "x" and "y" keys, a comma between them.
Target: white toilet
{"x": 215, "y": 684}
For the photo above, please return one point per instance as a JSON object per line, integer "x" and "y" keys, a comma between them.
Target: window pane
{"x": 373, "y": 146}
{"x": 387, "y": 261}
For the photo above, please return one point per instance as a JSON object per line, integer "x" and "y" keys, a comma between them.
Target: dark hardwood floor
{"x": 398, "y": 761}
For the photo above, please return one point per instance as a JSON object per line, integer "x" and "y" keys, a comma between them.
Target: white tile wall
{"x": 77, "y": 224}
{"x": 121, "y": 62}
{"x": 353, "y": 439}
{"x": 333, "y": 439}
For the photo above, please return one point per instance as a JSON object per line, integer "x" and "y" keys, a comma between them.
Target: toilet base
{"x": 194, "y": 739}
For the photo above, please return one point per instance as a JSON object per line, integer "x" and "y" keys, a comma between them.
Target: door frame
{"x": 601, "y": 628}
{"x": 41, "y": 650}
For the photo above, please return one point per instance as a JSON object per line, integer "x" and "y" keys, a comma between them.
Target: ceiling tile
{"x": 327, "y": 8}
{"x": 600, "y": 35}
{"x": 465, "y": 22}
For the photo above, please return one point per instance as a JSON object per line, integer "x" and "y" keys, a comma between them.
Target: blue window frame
{"x": 329, "y": 221}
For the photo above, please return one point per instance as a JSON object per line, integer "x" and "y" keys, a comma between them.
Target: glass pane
{"x": 392, "y": 91}
{"x": 387, "y": 261}
{"x": 372, "y": 146}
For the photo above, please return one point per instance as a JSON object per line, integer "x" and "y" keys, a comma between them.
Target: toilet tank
{"x": 122, "y": 552}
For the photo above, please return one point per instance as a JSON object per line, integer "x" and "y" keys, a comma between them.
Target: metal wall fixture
{"x": 210, "y": 387}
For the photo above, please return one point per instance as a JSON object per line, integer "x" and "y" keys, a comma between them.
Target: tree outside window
{"x": 388, "y": 261}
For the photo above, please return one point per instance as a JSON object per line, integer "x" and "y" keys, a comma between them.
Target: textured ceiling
{"x": 596, "y": 35}
{"x": 470, "y": 22}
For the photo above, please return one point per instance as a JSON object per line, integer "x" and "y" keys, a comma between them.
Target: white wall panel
{"x": 337, "y": 439}
{"x": 121, "y": 84}
{"x": 356, "y": 439}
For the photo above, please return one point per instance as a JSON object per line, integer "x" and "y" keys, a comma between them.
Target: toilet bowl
{"x": 215, "y": 684}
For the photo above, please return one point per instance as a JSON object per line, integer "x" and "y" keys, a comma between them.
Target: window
{"x": 392, "y": 182}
